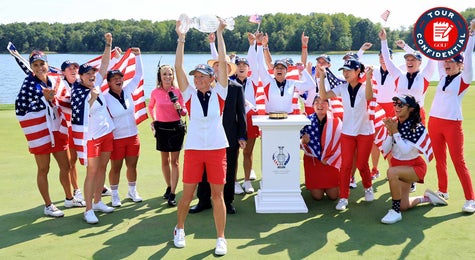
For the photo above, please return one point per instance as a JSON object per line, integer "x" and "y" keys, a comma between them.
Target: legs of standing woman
{"x": 95, "y": 178}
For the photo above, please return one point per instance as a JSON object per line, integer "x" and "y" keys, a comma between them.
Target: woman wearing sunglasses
{"x": 406, "y": 139}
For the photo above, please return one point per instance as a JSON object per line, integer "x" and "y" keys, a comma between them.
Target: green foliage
{"x": 335, "y": 32}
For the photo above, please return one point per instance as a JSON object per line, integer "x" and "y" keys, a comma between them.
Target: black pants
{"x": 204, "y": 190}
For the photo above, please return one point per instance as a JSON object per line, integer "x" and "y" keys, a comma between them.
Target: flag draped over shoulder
{"x": 37, "y": 117}
{"x": 377, "y": 114}
{"x": 326, "y": 145}
{"x": 79, "y": 120}
{"x": 418, "y": 137}
{"x": 336, "y": 103}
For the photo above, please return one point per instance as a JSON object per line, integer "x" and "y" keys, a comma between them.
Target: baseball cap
{"x": 203, "y": 69}
{"x": 325, "y": 57}
{"x": 85, "y": 68}
{"x": 112, "y": 73}
{"x": 243, "y": 60}
{"x": 68, "y": 63}
{"x": 351, "y": 55}
{"x": 351, "y": 65}
{"x": 415, "y": 54}
{"x": 281, "y": 62}
{"x": 457, "y": 58}
{"x": 37, "y": 55}
{"x": 406, "y": 100}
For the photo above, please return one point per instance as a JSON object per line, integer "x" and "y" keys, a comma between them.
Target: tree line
{"x": 327, "y": 32}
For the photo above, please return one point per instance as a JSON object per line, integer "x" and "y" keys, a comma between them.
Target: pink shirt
{"x": 161, "y": 107}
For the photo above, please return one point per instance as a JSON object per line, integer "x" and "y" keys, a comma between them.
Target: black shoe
{"x": 230, "y": 209}
{"x": 198, "y": 208}
{"x": 171, "y": 200}
{"x": 167, "y": 193}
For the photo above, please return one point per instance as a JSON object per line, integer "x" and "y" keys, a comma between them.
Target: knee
{"x": 392, "y": 174}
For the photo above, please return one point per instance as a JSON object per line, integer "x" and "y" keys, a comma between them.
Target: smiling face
{"x": 412, "y": 64}
{"x": 321, "y": 107}
{"x": 40, "y": 69}
{"x": 452, "y": 67}
{"x": 71, "y": 73}
{"x": 402, "y": 110}
{"x": 279, "y": 72}
{"x": 88, "y": 78}
{"x": 242, "y": 70}
{"x": 167, "y": 77}
{"x": 116, "y": 83}
{"x": 202, "y": 81}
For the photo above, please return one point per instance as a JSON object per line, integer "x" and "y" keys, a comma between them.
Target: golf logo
{"x": 281, "y": 158}
{"x": 440, "y": 33}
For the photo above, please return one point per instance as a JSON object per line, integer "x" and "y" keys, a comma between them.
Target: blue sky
{"x": 403, "y": 12}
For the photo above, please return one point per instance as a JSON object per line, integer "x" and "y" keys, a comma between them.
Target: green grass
{"x": 144, "y": 230}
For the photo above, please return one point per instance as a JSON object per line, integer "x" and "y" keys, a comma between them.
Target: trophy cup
{"x": 203, "y": 23}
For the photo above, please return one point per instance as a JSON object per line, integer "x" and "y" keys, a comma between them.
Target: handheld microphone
{"x": 173, "y": 97}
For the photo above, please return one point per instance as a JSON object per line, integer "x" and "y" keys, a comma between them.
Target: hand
{"x": 305, "y": 139}
{"x": 48, "y": 93}
{"x": 94, "y": 94}
{"x": 260, "y": 38}
{"x": 382, "y": 35}
{"x": 391, "y": 125}
{"x": 251, "y": 38}
{"x": 108, "y": 37}
{"x": 309, "y": 67}
{"x": 177, "y": 106}
{"x": 211, "y": 37}
{"x": 135, "y": 51}
{"x": 400, "y": 43}
{"x": 304, "y": 39}
{"x": 242, "y": 144}
{"x": 321, "y": 72}
{"x": 177, "y": 30}
{"x": 222, "y": 25}
{"x": 117, "y": 52}
{"x": 369, "y": 72}
{"x": 366, "y": 46}
{"x": 265, "y": 40}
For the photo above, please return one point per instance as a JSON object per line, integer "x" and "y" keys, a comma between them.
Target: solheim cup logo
{"x": 281, "y": 158}
{"x": 441, "y": 33}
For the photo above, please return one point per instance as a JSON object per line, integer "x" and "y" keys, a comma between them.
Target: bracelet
{"x": 180, "y": 40}
{"x": 108, "y": 45}
{"x": 304, "y": 47}
{"x": 265, "y": 48}
{"x": 259, "y": 44}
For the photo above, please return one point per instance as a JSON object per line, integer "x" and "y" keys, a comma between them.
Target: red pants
{"x": 449, "y": 133}
{"x": 361, "y": 145}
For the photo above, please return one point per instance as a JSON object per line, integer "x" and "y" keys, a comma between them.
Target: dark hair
{"x": 415, "y": 116}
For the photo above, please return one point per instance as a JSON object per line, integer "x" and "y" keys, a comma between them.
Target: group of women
{"x": 103, "y": 128}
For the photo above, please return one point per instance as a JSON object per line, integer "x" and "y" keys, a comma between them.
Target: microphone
{"x": 174, "y": 99}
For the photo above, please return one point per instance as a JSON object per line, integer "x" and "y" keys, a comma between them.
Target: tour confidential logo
{"x": 440, "y": 33}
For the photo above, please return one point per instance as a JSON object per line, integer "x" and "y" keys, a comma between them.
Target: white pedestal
{"x": 280, "y": 185}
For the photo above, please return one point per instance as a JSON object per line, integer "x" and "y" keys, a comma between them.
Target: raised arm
{"x": 181, "y": 77}
{"x": 266, "y": 51}
{"x": 106, "y": 56}
{"x": 369, "y": 84}
{"x": 223, "y": 66}
{"x": 252, "y": 57}
{"x": 212, "y": 46}
{"x": 321, "y": 85}
{"x": 304, "y": 39}
{"x": 392, "y": 68}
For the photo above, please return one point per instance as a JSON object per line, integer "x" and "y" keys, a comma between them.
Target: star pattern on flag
{"x": 332, "y": 79}
{"x": 29, "y": 97}
{"x": 314, "y": 133}
{"x": 78, "y": 99}
{"x": 412, "y": 135}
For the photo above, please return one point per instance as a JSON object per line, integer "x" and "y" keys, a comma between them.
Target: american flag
{"x": 79, "y": 120}
{"x": 127, "y": 66}
{"x": 385, "y": 15}
{"x": 255, "y": 18}
{"x": 418, "y": 137}
{"x": 377, "y": 114}
{"x": 324, "y": 146}
{"x": 336, "y": 103}
{"x": 38, "y": 119}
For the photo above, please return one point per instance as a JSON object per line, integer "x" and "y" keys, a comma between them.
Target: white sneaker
{"x": 353, "y": 183}
{"x": 179, "y": 238}
{"x": 391, "y": 217}
{"x": 90, "y": 217}
{"x": 342, "y": 204}
{"x": 247, "y": 185}
{"x": 469, "y": 206}
{"x": 75, "y": 202}
{"x": 252, "y": 176}
{"x": 106, "y": 191}
{"x": 369, "y": 194}
{"x": 434, "y": 198}
{"x": 115, "y": 200}
{"x": 237, "y": 188}
{"x": 134, "y": 196}
{"x": 221, "y": 246}
{"x": 78, "y": 194}
{"x": 53, "y": 211}
{"x": 100, "y": 206}
{"x": 444, "y": 195}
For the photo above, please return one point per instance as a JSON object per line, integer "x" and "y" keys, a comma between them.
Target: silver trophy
{"x": 204, "y": 23}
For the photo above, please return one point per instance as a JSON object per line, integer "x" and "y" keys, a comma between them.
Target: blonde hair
{"x": 159, "y": 75}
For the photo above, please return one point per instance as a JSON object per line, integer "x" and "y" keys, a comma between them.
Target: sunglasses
{"x": 399, "y": 104}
